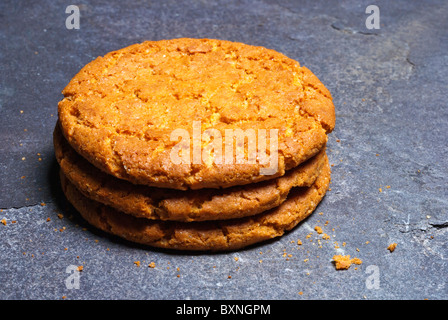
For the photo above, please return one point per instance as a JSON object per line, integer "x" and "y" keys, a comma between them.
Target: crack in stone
{"x": 32, "y": 205}
{"x": 351, "y": 31}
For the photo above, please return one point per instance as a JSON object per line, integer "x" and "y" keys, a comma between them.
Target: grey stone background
{"x": 390, "y": 90}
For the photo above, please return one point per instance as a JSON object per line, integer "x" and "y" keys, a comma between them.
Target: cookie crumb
{"x": 3, "y": 221}
{"x": 392, "y": 247}
{"x": 318, "y": 229}
{"x": 344, "y": 262}
{"x": 152, "y": 265}
{"x": 137, "y": 263}
{"x": 80, "y": 268}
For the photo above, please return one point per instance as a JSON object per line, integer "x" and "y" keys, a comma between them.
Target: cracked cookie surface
{"x": 218, "y": 235}
{"x": 119, "y": 111}
{"x": 179, "y": 205}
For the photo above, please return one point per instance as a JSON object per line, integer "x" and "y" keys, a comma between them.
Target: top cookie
{"x": 196, "y": 113}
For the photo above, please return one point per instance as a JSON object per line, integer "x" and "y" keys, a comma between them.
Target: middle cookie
{"x": 178, "y": 205}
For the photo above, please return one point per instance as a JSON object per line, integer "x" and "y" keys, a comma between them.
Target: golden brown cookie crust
{"x": 120, "y": 109}
{"x": 190, "y": 205}
{"x": 205, "y": 235}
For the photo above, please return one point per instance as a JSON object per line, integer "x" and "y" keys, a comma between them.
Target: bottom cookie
{"x": 218, "y": 235}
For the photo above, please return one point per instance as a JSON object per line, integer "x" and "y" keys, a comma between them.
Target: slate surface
{"x": 389, "y": 87}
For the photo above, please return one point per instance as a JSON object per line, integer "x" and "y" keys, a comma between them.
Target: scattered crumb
{"x": 152, "y": 265}
{"x": 318, "y": 229}
{"x": 80, "y": 268}
{"x": 344, "y": 262}
{"x": 43, "y": 204}
{"x": 64, "y": 297}
{"x": 48, "y": 219}
{"x": 381, "y": 190}
{"x": 236, "y": 258}
{"x": 392, "y": 247}
{"x": 387, "y": 187}
{"x": 299, "y": 242}
{"x": 137, "y": 263}
{"x": 300, "y": 292}
{"x": 60, "y": 215}
{"x": 325, "y": 236}
{"x": 3, "y": 221}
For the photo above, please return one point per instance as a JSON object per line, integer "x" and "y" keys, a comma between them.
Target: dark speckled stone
{"x": 389, "y": 87}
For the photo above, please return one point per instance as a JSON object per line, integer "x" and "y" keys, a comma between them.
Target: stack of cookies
{"x": 194, "y": 144}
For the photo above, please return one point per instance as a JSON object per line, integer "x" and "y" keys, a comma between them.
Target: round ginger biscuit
{"x": 132, "y": 110}
{"x": 218, "y": 235}
{"x": 189, "y": 205}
